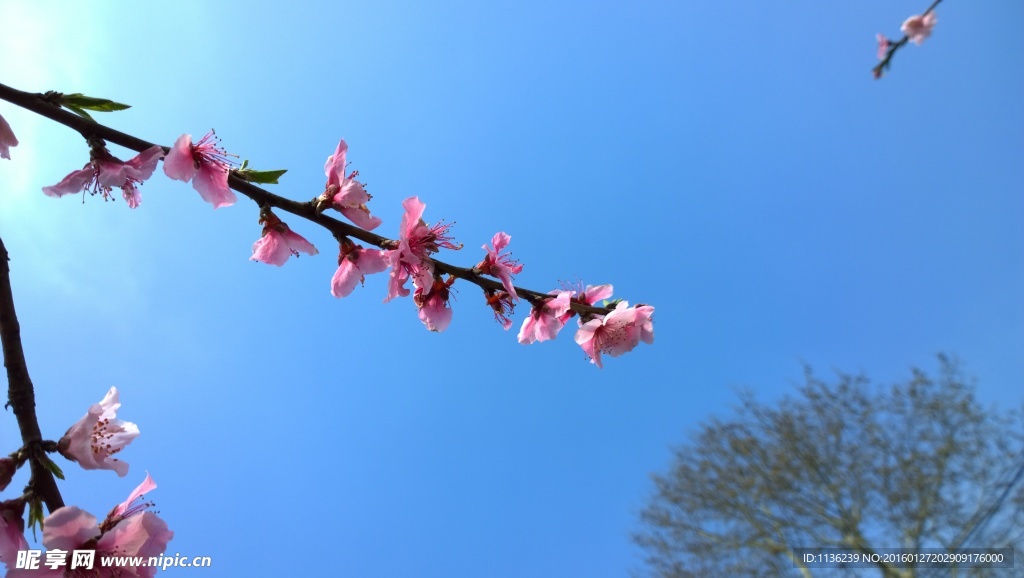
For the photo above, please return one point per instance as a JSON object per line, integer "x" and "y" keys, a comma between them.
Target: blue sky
{"x": 733, "y": 164}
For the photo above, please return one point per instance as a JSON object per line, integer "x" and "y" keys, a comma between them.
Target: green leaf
{"x": 35, "y": 516}
{"x": 79, "y": 100}
{"x": 261, "y": 177}
{"x": 78, "y": 111}
{"x": 53, "y": 467}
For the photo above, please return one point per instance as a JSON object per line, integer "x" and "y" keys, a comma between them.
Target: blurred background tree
{"x": 919, "y": 464}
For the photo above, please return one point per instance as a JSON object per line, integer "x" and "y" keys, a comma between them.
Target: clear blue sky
{"x": 732, "y": 163}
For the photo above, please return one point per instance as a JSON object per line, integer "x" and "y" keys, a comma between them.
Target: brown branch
{"x": 40, "y": 104}
{"x": 20, "y": 395}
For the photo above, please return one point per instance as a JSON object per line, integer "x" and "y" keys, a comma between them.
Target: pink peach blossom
{"x": 7, "y": 139}
{"x": 95, "y": 438}
{"x": 617, "y": 333}
{"x": 128, "y": 531}
{"x": 434, "y": 310}
{"x": 499, "y": 265}
{"x": 918, "y": 28}
{"x": 417, "y": 241}
{"x": 104, "y": 172}
{"x": 544, "y": 321}
{"x": 502, "y": 305}
{"x": 354, "y": 263}
{"x": 348, "y": 195}
{"x": 205, "y": 164}
{"x": 278, "y": 242}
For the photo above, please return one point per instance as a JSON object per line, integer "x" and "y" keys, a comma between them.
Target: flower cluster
{"x": 616, "y": 333}
{"x": 129, "y": 530}
{"x": 917, "y": 29}
{"x": 409, "y": 257}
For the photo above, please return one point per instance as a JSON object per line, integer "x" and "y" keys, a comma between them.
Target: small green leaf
{"x": 35, "y": 516}
{"x": 78, "y": 111}
{"x": 52, "y": 466}
{"x": 79, "y": 100}
{"x": 610, "y": 303}
{"x": 261, "y": 177}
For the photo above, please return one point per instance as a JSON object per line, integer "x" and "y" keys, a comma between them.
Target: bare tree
{"x": 919, "y": 464}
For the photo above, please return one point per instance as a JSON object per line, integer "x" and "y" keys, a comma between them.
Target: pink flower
{"x": 883, "y": 46}
{"x": 589, "y": 296}
{"x": 104, "y": 172}
{"x": 544, "y": 321}
{"x": 434, "y": 310}
{"x": 348, "y": 195}
{"x": 129, "y": 530}
{"x": 203, "y": 163}
{"x": 918, "y": 28}
{"x": 7, "y": 139}
{"x": 617, "y": 333}
{"x": 278, "y": 242}
{"x": 354, "y": 263}
{"x": 501, "y": 303}
{"x": 12, "y": 530}
{"x": 498, "y": 265}
{"x": 99, "y": 435}
{"x": 416, "y": 243}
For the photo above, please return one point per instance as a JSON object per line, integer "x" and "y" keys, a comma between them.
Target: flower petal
{"x": 212, "y": 183}
{"x": 142, "y": 165}
{"x": 271, "y": 249}
{"x": 345, "y": 279}
{"x": 298, "y": 243}
{"x": 68, "y": 528}
{"x": 179, "y": 164}
{"x": 75, "y": 182}
{"x": 334, "y": 168}
{"x": 361, "y": 217}
{"x": 372, "y": 261}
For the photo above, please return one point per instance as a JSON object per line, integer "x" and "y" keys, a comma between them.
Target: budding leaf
{"x": 260, "y": 177}
{"x": 35, "y": 516}
{"x": 52, "y": 466}
{"x": 78, "y": 111}
{"x": 80, "y": 101}
{"x": 610, "y": 303}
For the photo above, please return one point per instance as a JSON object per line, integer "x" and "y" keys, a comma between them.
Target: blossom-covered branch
{"x": 915, "y": 29}
{"x": 410, "y": 256}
